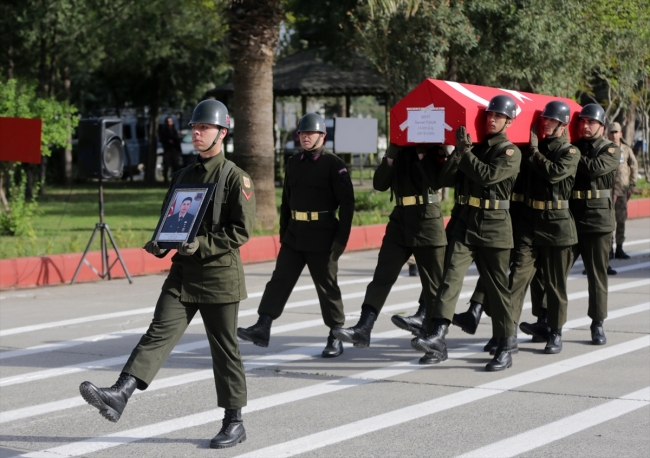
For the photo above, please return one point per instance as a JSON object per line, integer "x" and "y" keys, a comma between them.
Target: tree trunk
{"x": 628, "y": 130}
{"x": 67, "y": 155}
{"x": 254, "y": 31}
{"x": 254, "y": 152}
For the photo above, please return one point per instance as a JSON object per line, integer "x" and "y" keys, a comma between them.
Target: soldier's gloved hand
{"x": 534, "y": 140}
{"x": 629, "y": 192}
{"x": 152, "y": 247}
{"x": 188, "y": 249}
{"x": 463, "y": 141}
{"x": 337, "y": 251}
{"x": 391, "y": 152}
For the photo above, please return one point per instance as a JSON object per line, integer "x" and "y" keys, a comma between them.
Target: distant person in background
{"x": 626, "y": 175}
{"x": 171, "y": 143}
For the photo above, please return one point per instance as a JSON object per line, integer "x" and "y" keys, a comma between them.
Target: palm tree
{"x": 254, "y": 32}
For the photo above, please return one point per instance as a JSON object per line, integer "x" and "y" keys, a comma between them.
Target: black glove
{"x": 152, "y": 247}
{"x": 337, "y": 251}
{"x": 463, "y": 141}
{"x": 391, "y": 152}
{"x": 188, "y": 249}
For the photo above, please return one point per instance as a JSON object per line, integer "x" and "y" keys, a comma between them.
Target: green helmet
{"x": 557, "y": 110}
{"x": 312, "y": 122}
{"x": 503, "y": 104}
{"x": 211, "y": 112}
{"x": 593, "y": 111}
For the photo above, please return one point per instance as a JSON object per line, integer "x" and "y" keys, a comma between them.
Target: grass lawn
{"x": 67, "y": 217}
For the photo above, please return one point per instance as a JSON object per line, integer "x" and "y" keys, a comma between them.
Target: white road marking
{"x": 404, "y": 415}
{"x": 279, "y": 358}
{"x": 349, "y": 431}
{"x": 565, "y": 427}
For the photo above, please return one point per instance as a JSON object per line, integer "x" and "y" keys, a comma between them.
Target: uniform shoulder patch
{"x": 510, "y": 151}
{"x": 611, "y": 150}
{"x": 572, "y": 150}
{"x": 247, "y": 182}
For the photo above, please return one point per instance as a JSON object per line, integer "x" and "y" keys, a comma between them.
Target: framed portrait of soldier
{"x": 184, "y": 211}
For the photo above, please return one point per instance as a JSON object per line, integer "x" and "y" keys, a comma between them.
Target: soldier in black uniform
{"x": 415, "y": 228}
{"x": 207, "y": 277}
{"x": 591, "y": 205}
{"x": 482, "y": 232}
{"x": 182, "y": 220}
{"x": 316, "y": 184}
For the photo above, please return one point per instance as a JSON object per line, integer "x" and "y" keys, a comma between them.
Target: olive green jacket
{"x": 490, "y": 171}
{"x": 599, "y": 160}
{"x": 554, "y": 169}
{"x": 214, "y": 274}
{"x": 316, "y": 181}
{"x": 522, "y": 216}
{"x": 413, "y": 225}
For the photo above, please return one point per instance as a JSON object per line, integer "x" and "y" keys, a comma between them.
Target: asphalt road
{"x": 587, "y": 401}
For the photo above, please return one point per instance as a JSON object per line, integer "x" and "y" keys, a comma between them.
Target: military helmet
{"x": 503, "y": 104}
{"x": 593, "y": 111}
{"x": 312, "y": 122}
{"x": 211, "y": 112}
{"x": 557, "y": 110}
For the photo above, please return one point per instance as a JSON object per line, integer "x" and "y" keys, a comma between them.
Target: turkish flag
{"x": 171, "y": 208}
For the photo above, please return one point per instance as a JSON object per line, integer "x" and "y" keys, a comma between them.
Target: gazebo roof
{"x": 305, "y": 73}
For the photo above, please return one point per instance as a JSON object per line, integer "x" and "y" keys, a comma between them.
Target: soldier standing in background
{"x": 591, "y": 206}
{"x": 482, "y": 232}
{"x": 207, "y": 277}
{"x": 415, "y": 228}
{"x": 316, "y": 184}
{"x": 554, "y": 164}
{"x": 625, "y": 182}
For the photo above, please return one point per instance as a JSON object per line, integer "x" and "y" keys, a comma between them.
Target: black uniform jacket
{"x": 316, "y": 181}
{"x": 413, "y": 225}
{"x": 599, "y": 159}
{"x": 554, "y": 170}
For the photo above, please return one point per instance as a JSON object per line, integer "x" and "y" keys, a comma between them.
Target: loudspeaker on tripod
{"x": 101, "y": 148}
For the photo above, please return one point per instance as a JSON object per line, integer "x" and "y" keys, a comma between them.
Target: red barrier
{"x": 59, "y": 269}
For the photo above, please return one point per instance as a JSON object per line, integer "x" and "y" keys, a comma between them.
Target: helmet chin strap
{"x": 555, "y": 130}
{"x": 318, "y": 145}
{"x": 216, "y": 139}
{"x": 504, "y": 127}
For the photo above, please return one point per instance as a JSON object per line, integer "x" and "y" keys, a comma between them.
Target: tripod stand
{"x": 104, "y": 231}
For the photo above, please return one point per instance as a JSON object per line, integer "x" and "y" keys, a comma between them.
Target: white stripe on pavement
{"x": 335, "y": 435}
{"x": 281, "y": 358}
{"x": 404, "y": 415}
{"x": 560, "y": 429}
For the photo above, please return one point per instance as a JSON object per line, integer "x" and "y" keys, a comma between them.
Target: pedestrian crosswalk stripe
{"x": 565, "y": 427}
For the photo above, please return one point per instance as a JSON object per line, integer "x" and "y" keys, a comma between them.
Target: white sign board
{"x": 426, "y": 125}
{"x": 355, "y": 135}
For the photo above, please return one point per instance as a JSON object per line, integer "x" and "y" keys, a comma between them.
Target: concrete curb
{"x": 59, "y": 269}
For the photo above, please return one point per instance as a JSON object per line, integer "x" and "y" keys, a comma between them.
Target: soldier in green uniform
{"x": 316, "y": 184}
{"x": 415, "y": 228}
{"x": 591, "y": 205}
{"x": 207, "y": 277}
{"x": 482, "y": 232}
{"x": 554, "y": 162}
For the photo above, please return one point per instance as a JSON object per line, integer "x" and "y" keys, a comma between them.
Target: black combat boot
{"x": 232, "y": 430}
{"x": 412, "y": 324}
{"x": 503, "y": 354}
{"x": 620, "y": 254}
{"x": 512, "y": 347}
{"x": 598, "y": 333}
{"x": 413, "y": 270}
{"x": 611, "y": 271}
{"x": 554, "y": 344}
{"x": 539, "y": 331}
{"x": 110, "y": 401}
{"x": 611, "y": 253}
{"x": 468, "y": 321}
{"x": 259, "y": 333}
{"x": 359, "y": 334}
{"x": 492, "y": 345}
{"x": 433, "y": 345}
{"x": 333, "y": 348}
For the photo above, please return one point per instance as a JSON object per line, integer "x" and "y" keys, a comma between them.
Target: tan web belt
{"x": 548, "y": 205}
{"x": 312, "y": 216}
{"x": 487, "y": 204}
{"x": 516, "y": 197}
{"x": 417, "y": 200}
{"x": 597, "y": 194}
{"x": 461, "y": 200}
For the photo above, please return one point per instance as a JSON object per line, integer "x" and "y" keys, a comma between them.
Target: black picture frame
{"x": 178, "y": 225}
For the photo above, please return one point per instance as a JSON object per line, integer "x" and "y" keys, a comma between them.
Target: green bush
{"x": 18, "y": 220}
